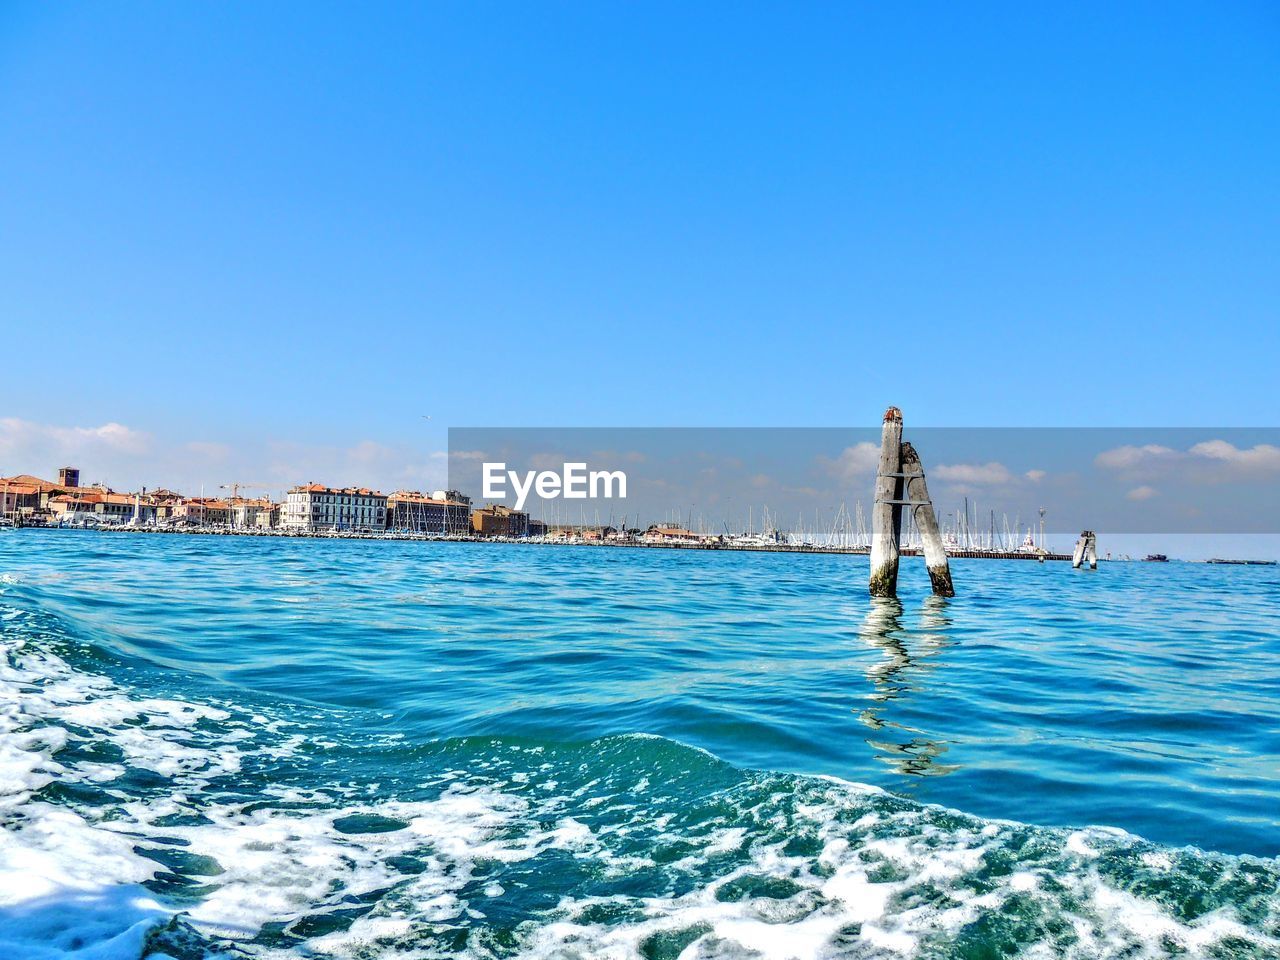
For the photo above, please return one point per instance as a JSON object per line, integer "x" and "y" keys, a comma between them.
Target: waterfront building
{"x": 76, "y": 507}
{"x": 457, "y": 496}
{"x": 566, "y": 531}
{"x": 102, "y": 506}
{"x": 496, "y": 520}
{"x": 27, "y": 496}
{"x": 196, "y": 512}
{"x": 249, "y": 513}
{"x": 163, "y": 499}
{"x": 413, "y": 512}
{"x": 19, "y": 497}
{"x": 68, "y": 476}
{"x": 657, "y": 534}
{"x": 314, "y": 506}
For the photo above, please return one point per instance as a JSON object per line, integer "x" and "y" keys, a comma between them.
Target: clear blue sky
{"x": 233, "y": 223}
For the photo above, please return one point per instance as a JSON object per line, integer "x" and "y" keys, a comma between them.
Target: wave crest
{"x": 136, "y": 823}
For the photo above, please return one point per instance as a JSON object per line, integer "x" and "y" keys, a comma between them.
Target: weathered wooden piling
{"x": 1086, "y": 548}
{"x": 917, "y": 497}
{"x": 900, "y": 483}
{"x": 886, "y": 518}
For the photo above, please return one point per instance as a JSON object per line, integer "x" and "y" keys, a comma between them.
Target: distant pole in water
{"x": 935, "y": 554}
{"x": 886, "y": 516}
{"x": 1086, "y": 549}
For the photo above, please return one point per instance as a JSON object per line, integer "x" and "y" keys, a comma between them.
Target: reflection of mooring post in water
{"x": 1086, "y": 548}
{"x": 900, "y": 482}
{"x": 905, "y": 748}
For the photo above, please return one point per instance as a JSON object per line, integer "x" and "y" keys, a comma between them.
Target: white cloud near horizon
{"x": 1141, "y": 493}
{"x": 974, "y": 474}
{"x": 366, "y": 463}
{"x": 860, "y": 461}
{"x": 854, "y": 462}
{"x": 108, "y": 452}
{"x": 1211, "y": 460}
{"x": 25, "y": 438}
{"x": 1127, "y": 457}
{"x": 1263, "y": 456}
{"x": 127, "y": 459}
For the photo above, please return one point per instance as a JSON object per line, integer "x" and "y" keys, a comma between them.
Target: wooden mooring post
{"x": 900, "y": 483}
{"x": 935, "y": 554}
{"x": 886, "y": 515}
{"x": 1086, "y": 549}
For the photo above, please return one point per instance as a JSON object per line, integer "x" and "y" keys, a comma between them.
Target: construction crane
{"x": 235, "y": 488}
{"x": 235, "y": 496}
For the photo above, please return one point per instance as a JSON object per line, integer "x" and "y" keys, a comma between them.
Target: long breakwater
{"x": 709, "y": 545}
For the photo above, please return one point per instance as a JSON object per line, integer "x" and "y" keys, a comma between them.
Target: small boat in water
{"x": 1156, "y": 558}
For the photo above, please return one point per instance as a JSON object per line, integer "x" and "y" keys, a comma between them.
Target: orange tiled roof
{"x": 497, "y": 510}
{"x": 42, "y": 486}
{"x": 28, "y": 478}
{"x": 413, "y": 496}
{"x": 350, "y": 491}
{"x": 209, "y": 503}
{"x": 95, "y": 496}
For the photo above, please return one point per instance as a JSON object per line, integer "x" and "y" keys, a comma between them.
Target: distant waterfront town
{"x": 27, "y": 500}
{"x": 317, "y": 510}
{"x": 312, "y": 508}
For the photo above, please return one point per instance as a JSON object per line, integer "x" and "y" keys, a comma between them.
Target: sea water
{"x": 220, "y": 746}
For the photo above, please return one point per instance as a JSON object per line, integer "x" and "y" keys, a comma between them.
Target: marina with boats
{"x": 966, "y": 532}
{"x": 661, "y": 540}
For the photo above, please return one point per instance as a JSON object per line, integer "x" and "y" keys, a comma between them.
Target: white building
{"x": 246, "y": 514}
{"x": 317, "y": 507}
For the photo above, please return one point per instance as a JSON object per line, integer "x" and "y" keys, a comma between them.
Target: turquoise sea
{"x": 234, "y": 747}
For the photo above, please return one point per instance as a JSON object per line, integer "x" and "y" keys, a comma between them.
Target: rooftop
{"x": 413, "y": 496}
{"x": 350, "y": 491}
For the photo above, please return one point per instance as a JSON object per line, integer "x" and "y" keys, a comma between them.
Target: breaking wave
{"x": 153, "y": 824}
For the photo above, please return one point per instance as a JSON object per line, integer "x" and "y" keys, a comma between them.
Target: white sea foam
{"x": 888, "y": 917}
{"x": 67, "y": 886}
{"x": 70, "y": 882}
{"x": 884, "y": 877}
